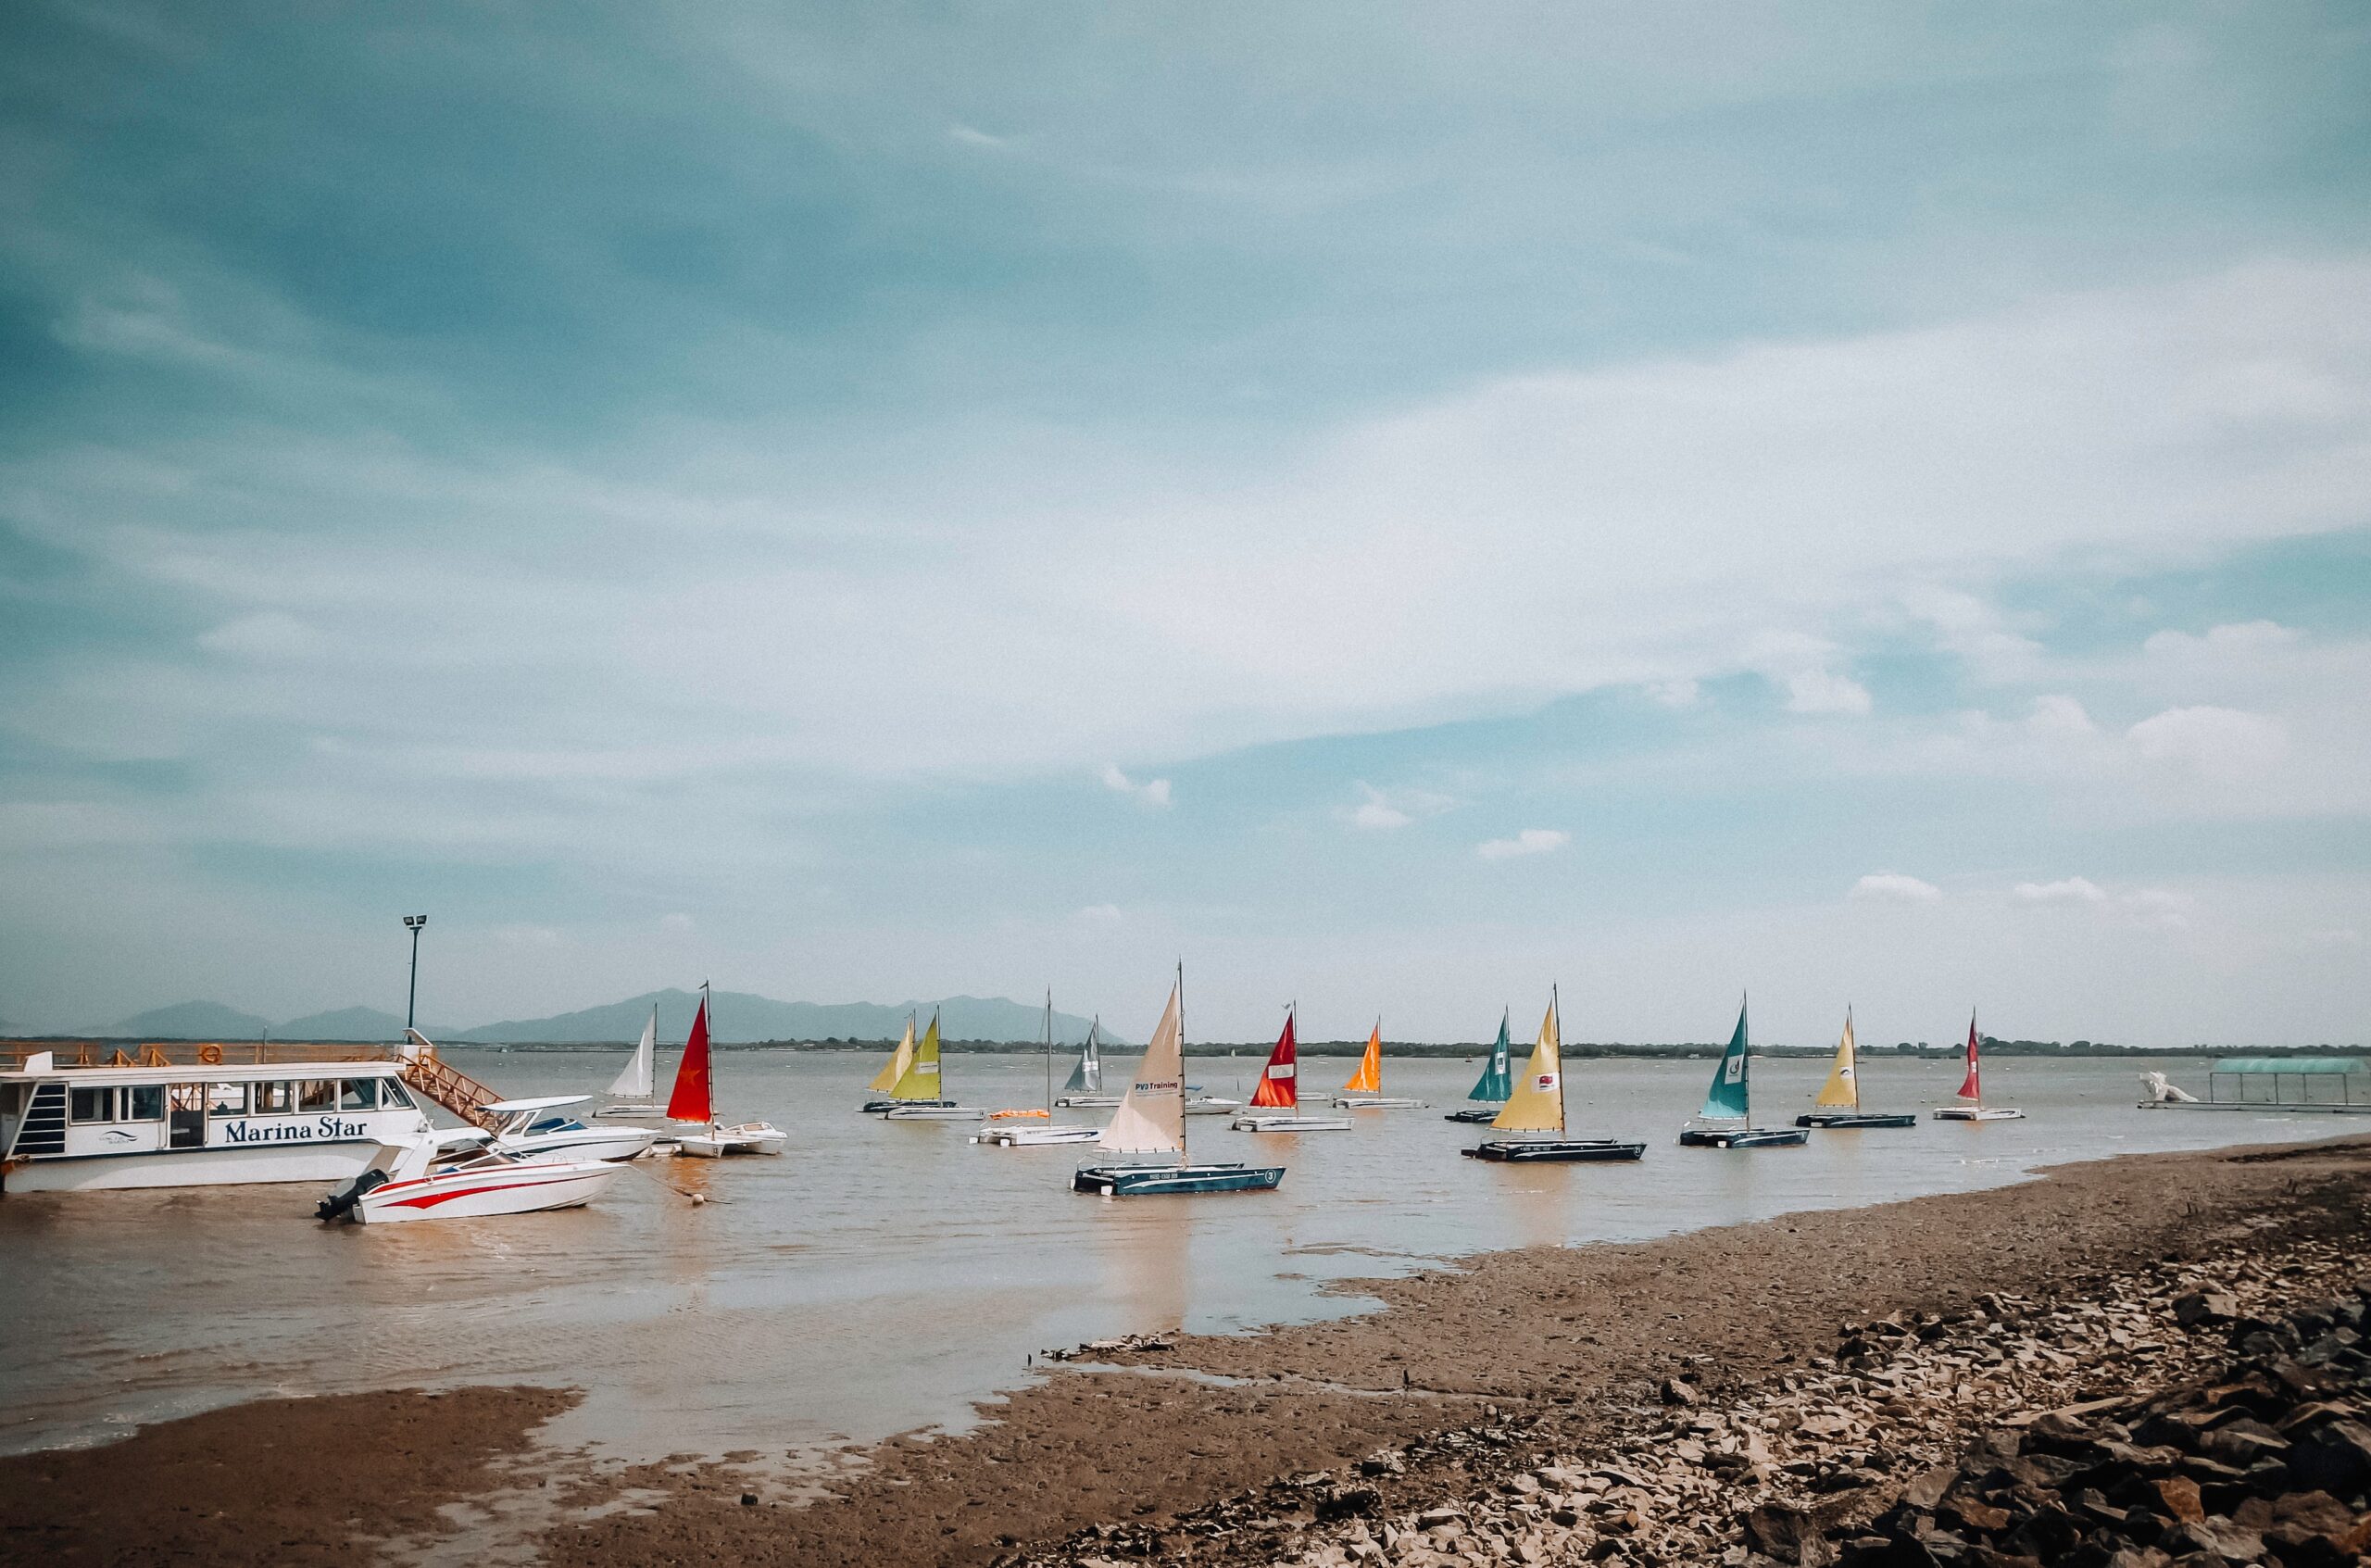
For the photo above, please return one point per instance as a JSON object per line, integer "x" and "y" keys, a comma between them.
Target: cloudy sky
{"x": 1396, "y": 505}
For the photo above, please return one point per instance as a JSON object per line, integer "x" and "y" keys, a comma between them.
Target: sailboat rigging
{"x": 1971, "y": 1093}
{"x": 1276, "y": 1104}
{"x": 1536, "y": 1104}
{"x": 1084, "y": 1087}
{"x": 1838, "y": 1105}
{"x": 1151, "y": 1120}
{"x": 1030, "y": 1138}
{"x": 1731, "y": 1099}
{"x": 915, "y": 1097}
{"x": 631, "y": 1089}
{"x": 1492, "y": 1088}
{"x": 694, "y": 1102}
{"x": 1364, "y": 1091}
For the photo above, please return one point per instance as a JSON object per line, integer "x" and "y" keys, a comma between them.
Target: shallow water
{"x": 884, "y": 1276}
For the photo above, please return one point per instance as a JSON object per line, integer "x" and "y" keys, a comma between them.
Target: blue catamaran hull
{"x": 1849, "y": 1121}
{"x": 1477, "y": 1116}
{"x": 1744, "y": 1137}
{"x": 1527, "y": 1150}
{"x": 1156, "y": 1181}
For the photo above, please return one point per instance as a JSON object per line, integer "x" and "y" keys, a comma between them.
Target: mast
{"x": 1049, "y": 1053}
{"x": 1745, "y": 1062}
{"x": 707, "y": 1005}
{"x": 1556, "y": 1012}
{"x": 1183, "y": 1160}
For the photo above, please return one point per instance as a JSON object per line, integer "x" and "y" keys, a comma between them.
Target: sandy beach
{"x": 1565, "y": 1347}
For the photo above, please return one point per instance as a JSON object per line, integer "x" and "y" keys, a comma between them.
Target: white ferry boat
{"x": 224, "y": 1114}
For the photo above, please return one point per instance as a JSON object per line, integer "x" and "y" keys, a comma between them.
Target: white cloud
{"x": 1377, "y": 815}
{"x": 1153, "y": 794}
{"x": 1893, "y": 887}
{"x": 2238, "y": 639}
{"x": 526, "y": 936}
{"x": 2060, "y": 718}
{"x": 1530, "y": 841}
{"x": 1099, "y": 918}
{"x": 269, "y": 634}
{"x": 972, "y": 137}
{"x": 2069, "y": 890}
{"x": 2223, "y": 744}
{"x": 675, "y": 924}
{"x": 1821, "y": 691}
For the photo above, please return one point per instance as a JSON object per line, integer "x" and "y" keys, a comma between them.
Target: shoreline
{"x": 1557, "y": 1339}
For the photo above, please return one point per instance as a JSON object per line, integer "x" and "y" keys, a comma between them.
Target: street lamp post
{"x": 412, "y": 923}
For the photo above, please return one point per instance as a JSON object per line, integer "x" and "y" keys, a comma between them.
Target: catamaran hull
{"x": 474, "y": 1195}
{"x": 1479, "y": 1116}
{"x": 1212, "y": 1106}
{"x": 1036, "y": 1137}
{"x": 1744, "y": 1137}
{"x": 879, "y": 1107}
{"x": 1166, "y": 1181}
{"x": 1856, "y": 1120}
{"x": 643, "y": 1113}
{"x": 1561, "y": 1150}
{"x": 1088, "y": 1102}
{"x": 715, "y": 1142}
{"x": 1974, "y": 1113}
{"x": 935, "y": 1113}
{"x": 1291, "y": 1124}
{"x": 1375, "y": 1102}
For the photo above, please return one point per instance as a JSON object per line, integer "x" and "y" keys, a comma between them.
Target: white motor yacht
{"x": 528, "y": 1131}
{"x": 400, "y": 1184}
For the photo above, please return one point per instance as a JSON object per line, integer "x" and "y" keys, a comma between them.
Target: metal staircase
{"x": 455, "y": 1090}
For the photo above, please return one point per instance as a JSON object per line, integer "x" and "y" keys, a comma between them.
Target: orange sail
{"x": 1280, "y": 1080}
{"x": 1368, "y": 1079}
{"x": 690, "y": 1101}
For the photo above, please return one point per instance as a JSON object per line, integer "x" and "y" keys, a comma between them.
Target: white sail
{"x": 1151, "y": 1118}
{"x": 635, "y": 1081}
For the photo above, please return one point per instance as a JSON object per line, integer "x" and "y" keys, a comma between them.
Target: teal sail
{"x": 1497, "y": 1080}
{"x": 1726, "y": 1100}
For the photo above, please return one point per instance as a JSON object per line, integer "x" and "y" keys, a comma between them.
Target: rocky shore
{"x": 2197, "y": 1415}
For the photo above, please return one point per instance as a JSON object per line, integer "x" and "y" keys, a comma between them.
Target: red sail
{"x": 690, "y": 1101}
{"x": 1971, "y": 1090}
{"x": 1280, "y": 1081}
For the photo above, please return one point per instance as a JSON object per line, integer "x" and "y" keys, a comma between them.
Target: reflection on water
{"x": 882, "y": 1276}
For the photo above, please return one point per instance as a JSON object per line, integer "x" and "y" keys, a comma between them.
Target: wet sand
{"x": 1559, "y": 1339}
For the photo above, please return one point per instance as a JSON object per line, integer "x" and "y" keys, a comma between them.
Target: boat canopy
{"x": 549, "y": 1102}
{"x": 2346, "y": 1066}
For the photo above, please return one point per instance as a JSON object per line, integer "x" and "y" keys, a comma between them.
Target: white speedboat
{"x": 201, "y": 1114}
{"x": 715, "y": 1140}
{"x": 527, "y": 1132}
{"x": 400, "y": 1185}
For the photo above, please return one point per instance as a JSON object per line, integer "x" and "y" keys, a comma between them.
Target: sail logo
{"x": 1545, "y": 1083}
{"x": 1160, "y": 1086}
{"x": 1280, "y": 1070}
{"x": 926, "y": 1069}
{"x": 1735, "y": 1071}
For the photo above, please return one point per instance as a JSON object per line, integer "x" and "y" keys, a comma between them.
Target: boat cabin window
{"x": 146, "y": 1102}
{"x": 317, "y": 1093}
{"x": 226, "y": 1100}
{"x": 94, "y": 1105}
{"x": 275, "y": 1098}
{"x": 392, "y": 1095}
{"x": 357, "y": 1093}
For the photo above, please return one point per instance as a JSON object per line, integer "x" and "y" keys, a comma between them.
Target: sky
{"x": 1395, "y": 506}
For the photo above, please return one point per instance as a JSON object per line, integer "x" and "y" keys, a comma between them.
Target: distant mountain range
{"x": 735, "y": 1018}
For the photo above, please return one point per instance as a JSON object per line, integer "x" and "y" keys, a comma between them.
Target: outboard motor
{"x": 340, "y": 1203}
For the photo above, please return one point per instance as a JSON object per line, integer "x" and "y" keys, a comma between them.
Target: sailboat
{"x": 1276, "y": 1104}
{"x": 694, "y": 1102}
{"x": 1084, "y": 1087}
{"x": 1030, "y": 1138}
{"x": 1537, "y": 1105}
{"x": 1972, "y": 1091}
{"x": 631, "y": 1088}
{"x": 1731, "y": 1099}
{"x": 914, "y": 1096}
{"x": 1151, "y": 1120}
{"x": 1493, "y": 1087}
{"x": 899, "y": 1066}
{"x": 1839, "y": 1105}
{"x": 1364, "y": 1091}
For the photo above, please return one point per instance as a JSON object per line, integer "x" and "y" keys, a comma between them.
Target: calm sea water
{"x": 881, "y": 1276}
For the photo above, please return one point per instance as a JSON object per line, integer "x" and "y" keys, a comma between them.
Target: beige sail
{"x": 920, "y": 1080}
{"x": 1538, "y": 1104}
{"x": 1842, "y": 1090}
{"x": 1151, "y": 1118}
{"x": 886, "y": 1079}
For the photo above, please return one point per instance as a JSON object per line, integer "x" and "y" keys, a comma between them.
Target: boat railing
{"x": 190, "y": 1053}
{"x": 453, "y": 1089}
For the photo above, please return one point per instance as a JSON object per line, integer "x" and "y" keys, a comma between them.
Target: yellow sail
{"x": 1538, "y": 1104}
{"x": 919, "y": 1081}
{"x": 886, "y": 1079}
{"x": 1842, "y": 1090}
{"x": 1151, "y": 1118}
{"x": 1368, "y": 1079}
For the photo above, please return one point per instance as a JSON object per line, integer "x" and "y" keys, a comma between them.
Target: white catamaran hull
{"x": 714, "y": 1143}
{"x": 1376, "y": 1102}
{"x": 1035, "y": 1138}
{"x": 1975, "y": 1114}
{"x": 1291, "y": 1124}
{"x": 935, "y": 1113}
